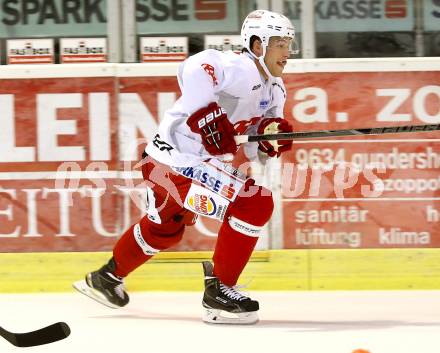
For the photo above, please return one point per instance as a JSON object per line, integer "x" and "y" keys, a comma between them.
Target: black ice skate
{"x": 104, "y": 287}
{"x": 225, "y": 305}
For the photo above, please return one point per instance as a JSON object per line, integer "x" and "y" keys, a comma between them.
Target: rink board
{"x": 317, "y": 269}
{"x": 54, "y": 217}
{"x": 72, "y": 138}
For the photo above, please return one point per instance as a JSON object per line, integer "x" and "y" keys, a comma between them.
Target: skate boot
{"x": 104, "y": 287}
{"x": 225, "y": 305}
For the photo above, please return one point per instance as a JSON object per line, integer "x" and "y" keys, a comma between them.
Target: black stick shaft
{"x": 333, "y": 133}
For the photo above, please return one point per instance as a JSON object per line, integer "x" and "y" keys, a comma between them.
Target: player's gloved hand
{"x": 216, "y": 130}
{"x": 274, "y": 126}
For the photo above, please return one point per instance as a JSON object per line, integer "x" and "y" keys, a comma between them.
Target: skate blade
{"x": 83, "y": 287}
{"x": 217, "y": 316}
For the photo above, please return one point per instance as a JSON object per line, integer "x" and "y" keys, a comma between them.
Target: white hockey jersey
{"x": 234, "y": 82}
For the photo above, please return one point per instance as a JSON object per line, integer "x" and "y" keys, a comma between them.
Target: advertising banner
{"x": 355, "y": 192}
{"x": 29, "y": 51}
{"x": 52, "y": 18}
{"x": 356, "y": 15}
{"x": 59, "y": 136}
{"x": 89, "y": 18}
{"x": 154, "y": 49}
{"x": 224, "y": 42}
{"x": 83, "y": 50}
{"x": 187, "y": 16}
{"x": 69, "y": 179}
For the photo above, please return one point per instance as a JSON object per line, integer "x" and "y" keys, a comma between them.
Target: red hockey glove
{"x": 274, "y": 126}
{"x": 216, "y": 130}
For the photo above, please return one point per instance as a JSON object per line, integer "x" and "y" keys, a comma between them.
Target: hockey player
{"x": 223, "y": 94}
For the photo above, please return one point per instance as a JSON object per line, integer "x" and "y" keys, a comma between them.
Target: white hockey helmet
{"x": 266, "y": 24}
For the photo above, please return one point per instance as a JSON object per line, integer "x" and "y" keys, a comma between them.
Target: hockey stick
{"x": 331, "y": 133}
{"x": 45, "y": 335}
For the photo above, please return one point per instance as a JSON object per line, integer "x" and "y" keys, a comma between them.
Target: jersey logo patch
{"x": 202, "y": 204}
{"x": 264, "y": 104}
{"x": 162, "y": 145}
{"x": 211, "y": 72}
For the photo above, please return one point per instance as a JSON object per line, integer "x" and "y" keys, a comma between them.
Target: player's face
{"x": 277, "y": 53}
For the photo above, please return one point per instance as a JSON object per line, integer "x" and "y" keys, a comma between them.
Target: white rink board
{"x": 300, "y": 322}
{"x": 170, "y": 69}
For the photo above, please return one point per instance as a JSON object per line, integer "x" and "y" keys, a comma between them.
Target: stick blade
{"x": 45, "y": 335}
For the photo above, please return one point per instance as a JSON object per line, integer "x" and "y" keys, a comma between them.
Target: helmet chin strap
{"x": 266, "y": 70}
{"x": 262, "y": 63}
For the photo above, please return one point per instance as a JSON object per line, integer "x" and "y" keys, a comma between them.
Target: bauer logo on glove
{"x": 211, "y": 116}
{"x": 217, "y": 132}
{"x": 274, "y": 126}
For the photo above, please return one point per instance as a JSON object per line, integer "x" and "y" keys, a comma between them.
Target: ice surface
{"x": 296, "y": 322}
